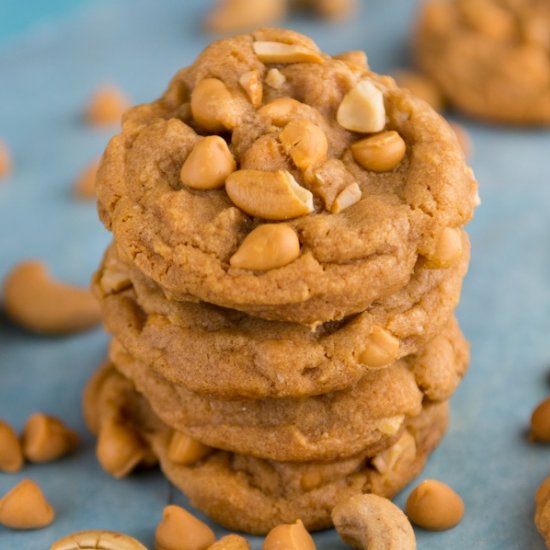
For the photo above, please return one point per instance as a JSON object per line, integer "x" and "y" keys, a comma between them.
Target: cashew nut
{"x": 39, "y": 303}
{"x": 374, "y": 523}
{"x": 97, "y": 540}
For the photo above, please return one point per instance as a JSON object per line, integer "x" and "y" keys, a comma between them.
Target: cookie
{"x": 254, "y": 495}
{"x": 228, "y": 354}
{"x": 285, "y": 129}
{"x": 364, "y": 418}
{"x": 491, "y": 58}
{"x": 542, "y": 512}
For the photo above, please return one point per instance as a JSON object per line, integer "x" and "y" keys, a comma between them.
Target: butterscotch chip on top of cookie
{"x": 294, "y": 151}
{"x": 491, "y": 58}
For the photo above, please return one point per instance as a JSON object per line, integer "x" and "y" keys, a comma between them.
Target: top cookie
{"x": 276, "y": 180}
{"x": 490, "y": 57}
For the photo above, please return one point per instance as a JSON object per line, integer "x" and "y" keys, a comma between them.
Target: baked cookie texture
{"x": 254, "y": 495}
{"x": 363, "y": 418}
{"x": 491, "y": 58}
{"x": 228, "y": 354}
{"x": 290, "y": 135}
{"x": 288, "y": 253}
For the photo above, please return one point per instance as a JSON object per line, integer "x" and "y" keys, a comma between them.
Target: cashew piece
{"x": 39, "y": 303}
{"x": 97, "y": 540}
{"x": 374, "y": 523}
{"x": 230, "y": 542}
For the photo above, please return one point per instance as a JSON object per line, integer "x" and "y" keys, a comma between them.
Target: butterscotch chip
{"x": 180, "y": 530}
{"x": 305, "y": 142}
{"x": 472, "y": 49}
{"x": 25, "y": 507}
{"x": 266, "y": 247}
{"x": 208, "y": 165}
{"x": 540, "y": 422}
{"x": 381, "y": 152}
{"x": 289, "y": 536}
{"x": 433, "y": 505}
{"x": 381, "y": 348}
{"x": 212, "y": 105}
{"x": 354, "y": 57}
{"x": 11, "y": 456}
{"x": 106, "y": 106}
{"x": 448, "y": 249}
{"x": 5, "y": 161}
{"x": 186, "y": 450}
{"x": 84, "y": 185}
{"x": 119, "y": 448}
{"x": 46, "y": 438}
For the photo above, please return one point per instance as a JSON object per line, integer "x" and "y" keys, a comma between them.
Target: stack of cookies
{"x": 288, "y": 253}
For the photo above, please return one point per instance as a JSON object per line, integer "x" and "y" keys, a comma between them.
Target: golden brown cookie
{"x": 254, "y": 495}
{"x": 347, "y": 217}
{"x": 229, "y": 354}
{"x": 364, "y": 418}
{"x": 491, "y": 58}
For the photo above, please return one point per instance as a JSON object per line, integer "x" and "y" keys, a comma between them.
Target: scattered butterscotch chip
{"x": 25, "y": 507}
{"x": 422, "y": 87}
{"x": 11, "y": 455}
{"x": 46, "y": 438}
{"x": 290, "y": 537}
{"x": 185, "y": 450}
{"x": 5, "y": 161}
{"x": 180, "y": 530}
{"x": 106, "y": 106}
{"x": 354, "y": 57}
{"x": 230, "y": 542}
{"x": 334, "y": 9}
{"x": 433, "y": 505}
{"x": 84, "y": 185}
{"x": 540, "y": 422}
{"x": 37, "y": 302}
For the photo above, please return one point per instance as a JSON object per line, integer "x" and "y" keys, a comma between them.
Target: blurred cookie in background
{"x": 491, "y": 58}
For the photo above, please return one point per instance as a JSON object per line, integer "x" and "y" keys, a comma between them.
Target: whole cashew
{"x": 374, "y": 523}
{"x": 97, "y": 540}
{"x": 39, "y": 303}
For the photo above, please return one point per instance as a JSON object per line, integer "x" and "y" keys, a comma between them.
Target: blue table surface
{"x": 52, "y": 55}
